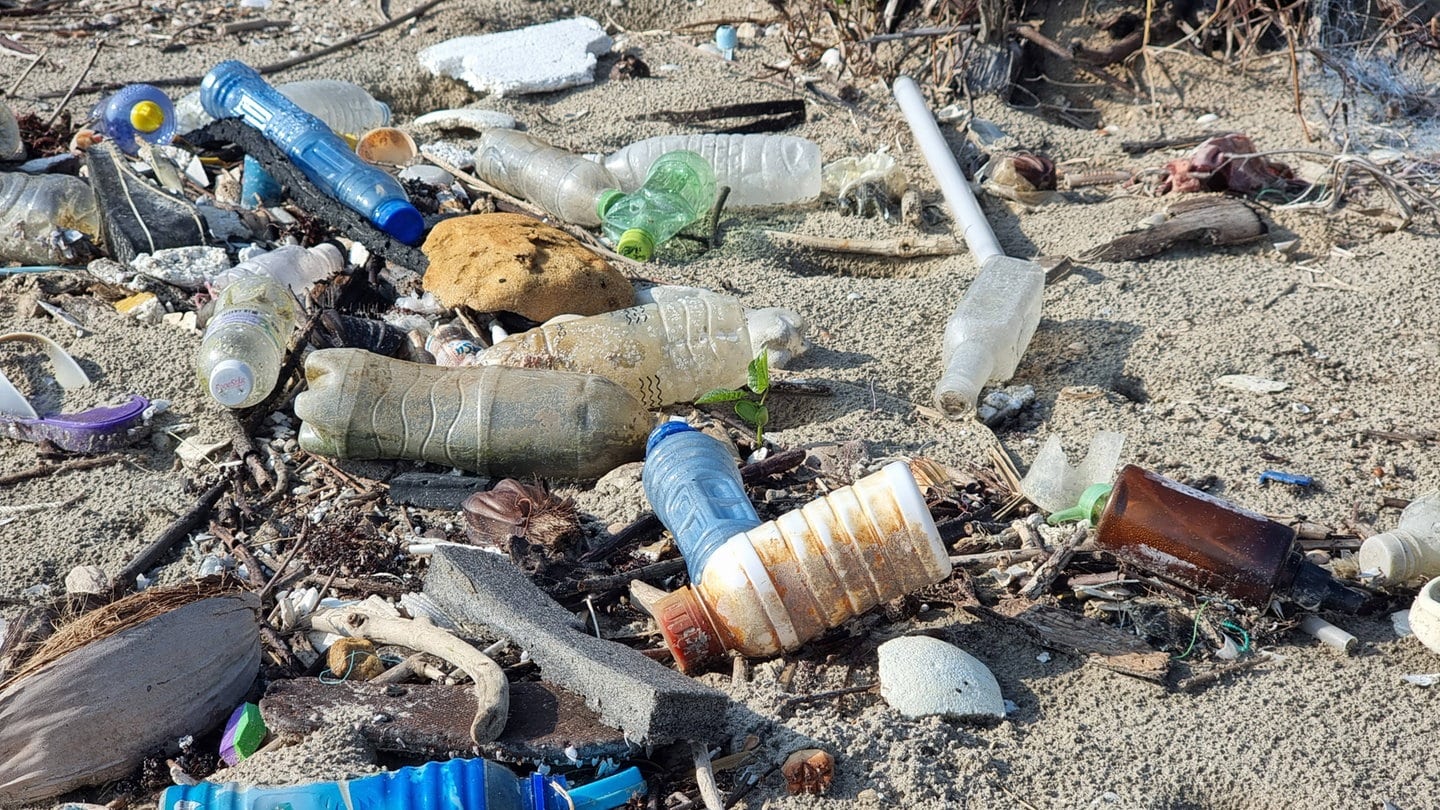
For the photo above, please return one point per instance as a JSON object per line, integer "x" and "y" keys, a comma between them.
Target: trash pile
{"x": 474, "y": 311}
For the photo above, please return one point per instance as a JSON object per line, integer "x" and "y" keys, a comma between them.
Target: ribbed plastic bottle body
{"x": 119, "y": 121}
{"x": 987, "y": 333}
{"x": 492, "y": 420}
{"x": 565, "y": 184}
{"x": 235, "y": 89}
{"x": 345, "y": 107}
{"x": 292, "y": 265}
{"x": 760, "y": 169}
{"x": 787, "y": 581}
{"x": 457, "y": 784}
{"x": 1412, "y": 550}
{"x": 32, "y": 207}
{"x": 695, "y": 488}
{"x": 662, "y": 353}
{"x": 679, "y": 189}
{"x": 244, "y": 344}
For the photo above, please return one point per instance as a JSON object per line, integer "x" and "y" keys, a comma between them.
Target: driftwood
{"x": 1099, "y": 643}
{"x": 904, "y": 247}
{"x": 1206, "y": 220}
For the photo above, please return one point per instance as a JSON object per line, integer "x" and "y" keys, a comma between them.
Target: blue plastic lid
{"x": 401, "y": 220}
{"x": 663, "y": 430}
{"x": 725, "y": 37}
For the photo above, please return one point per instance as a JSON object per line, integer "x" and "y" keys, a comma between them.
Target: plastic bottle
{"x": 760, "y": 169}
{"x": 679, "y": 190}
{"x": 564, "y": 184}
{"x": 501, "y": 421}
{"x": 987, "y": 333}
{"x": 1208, "y": 545}
{"x": 244, "y": 344}
{"x": 235, "y": 89}
{"x": 761, "y": 588}
{"x": 1412, "y": 550}
{"x": 134, "y": 113}
{"x": 457, "y": 784}
{"x": 672, "y": 350}
{"x": 292, "y": 265}
{"x": 345, "y": 107}
{"x": 33, "y": 207}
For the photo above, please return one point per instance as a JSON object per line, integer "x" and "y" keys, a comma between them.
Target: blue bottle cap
{"x": 401, "y": 220}
{"x": 725, "y": 37}
{"x": 665, "y": 429}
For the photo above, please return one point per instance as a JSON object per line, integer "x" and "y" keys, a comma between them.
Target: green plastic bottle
{"x": 679, "y": 189}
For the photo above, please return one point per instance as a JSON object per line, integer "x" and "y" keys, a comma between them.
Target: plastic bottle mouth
{"x": 636, "y": 244}
{"x": 147, "y": 117}
{"x": 688, "y": 631}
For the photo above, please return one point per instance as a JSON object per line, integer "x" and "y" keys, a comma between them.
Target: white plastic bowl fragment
{"x": 922, "y": 676}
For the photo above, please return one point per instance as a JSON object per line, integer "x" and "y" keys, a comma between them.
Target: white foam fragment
{"x": 537, "y": 59}
{"x": 921, "y": 676}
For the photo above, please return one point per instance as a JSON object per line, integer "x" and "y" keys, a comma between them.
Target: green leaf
{"x": 762, "y": 416}
{"x": 758, "y": 372}
{"x": 749, "y": 410}
{"x": 720, "y": 395}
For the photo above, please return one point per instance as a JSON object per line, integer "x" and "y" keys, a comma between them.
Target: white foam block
{"x": 538, "y": 59}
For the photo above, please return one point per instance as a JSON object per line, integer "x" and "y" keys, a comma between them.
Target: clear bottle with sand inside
{"x": 492, "y": 420}
{"x": 763, "y": 588}
{"x": 245, "y": 340}
{"x": 563, "y": 183}
{"x": 672, "y": 350}
{"x": 987, "y": 333}
{"x": 34, "y": 206}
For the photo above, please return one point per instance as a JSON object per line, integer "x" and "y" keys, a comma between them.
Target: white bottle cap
{"x": 231, "y": 382}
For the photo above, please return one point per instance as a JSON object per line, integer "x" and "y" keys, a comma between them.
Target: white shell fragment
{"x": 473, "y": 120}
{"x": 1251, "y": 383}
{"x": 922, "y": 676}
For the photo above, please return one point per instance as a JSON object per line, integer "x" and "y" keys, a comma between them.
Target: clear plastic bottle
{"x": 292, "y": 265}
{"x": 495, "y": 421}
{"x": 563, "y": 183}
{"x": 456, "y": 784}
{"x": 244, "y": 344}
{"x": 1412, "y": 550}
{"x": 762, "y": 588}
{"x": 760, "y": 169}
{"x": 33, "y": 207}
{"x": 345, "y": 107}
{"x": 987, "y": 333}
{"x": 672, "y": 350}
{"x": 679, "y": 189}
{"x": 235, "y": 89}
{"x": 134, "y": 113}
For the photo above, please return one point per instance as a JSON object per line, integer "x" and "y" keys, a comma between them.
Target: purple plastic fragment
{"x": 97, "y": 430}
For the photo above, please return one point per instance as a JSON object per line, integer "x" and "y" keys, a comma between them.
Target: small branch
{"x": 173, "y": 534}
{"x": 69, "y": 94}
{"x": 26, "y": 74}
{"x": 705, "y": 777}
{"x": 55, "y": 469}
{"x": 1053, "y": 565}
{"x": 901, "y": 247}
{"x": 790, "y": 703}
{"x": 1033, "y": 35}
{"x": 713, "y": 229}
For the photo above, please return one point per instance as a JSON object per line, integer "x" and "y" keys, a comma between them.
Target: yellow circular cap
{"x": 146, "y": 116}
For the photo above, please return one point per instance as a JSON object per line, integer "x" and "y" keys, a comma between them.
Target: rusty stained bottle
{"x": 1211, "y": 546}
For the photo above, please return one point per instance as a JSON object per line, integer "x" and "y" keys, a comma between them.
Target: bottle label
{"x": 249, "y": 317}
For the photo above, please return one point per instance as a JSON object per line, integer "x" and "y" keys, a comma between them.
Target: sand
{"x": 1347, "y": 321}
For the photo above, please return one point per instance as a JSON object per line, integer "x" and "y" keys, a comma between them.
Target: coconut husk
{"x": 122, "y": 681}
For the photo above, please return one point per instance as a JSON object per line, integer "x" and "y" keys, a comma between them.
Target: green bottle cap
{"x": 1092, "y": 504}
{"x": 636, "y": 244}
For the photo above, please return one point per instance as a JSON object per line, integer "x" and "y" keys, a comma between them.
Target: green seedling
{"x": 749, "y": 401}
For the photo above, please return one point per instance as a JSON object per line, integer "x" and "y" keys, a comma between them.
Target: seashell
{"x": 386, "y": 145}
{"x": 476, "y": 120}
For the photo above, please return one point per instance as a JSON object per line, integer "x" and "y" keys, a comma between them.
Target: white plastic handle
{"x": 67, "y": 372}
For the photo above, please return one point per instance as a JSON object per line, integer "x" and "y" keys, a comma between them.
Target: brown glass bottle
{"x": 1211, "y": 546}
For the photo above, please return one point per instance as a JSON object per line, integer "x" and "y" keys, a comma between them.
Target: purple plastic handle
{"x": 97, "y": 430}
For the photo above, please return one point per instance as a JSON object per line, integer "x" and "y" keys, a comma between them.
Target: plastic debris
{"x": 244, "y": 733}
{"x": 538, "y": 59}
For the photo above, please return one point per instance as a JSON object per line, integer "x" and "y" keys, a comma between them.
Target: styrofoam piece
{"x": 922, "y": 676}
{"x": 538, "y": 59}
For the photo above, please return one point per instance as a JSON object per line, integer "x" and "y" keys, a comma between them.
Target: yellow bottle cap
{"x": 146, "y": 116}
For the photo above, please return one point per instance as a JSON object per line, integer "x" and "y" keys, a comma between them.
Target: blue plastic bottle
{"x": 459, "y": 784}
{"x": 694, "y": 486}
{"x": 134, "y": 113}
{"x": 234, "y": 89}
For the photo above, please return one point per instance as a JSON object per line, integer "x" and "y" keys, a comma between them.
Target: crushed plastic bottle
{"x": 762, "y": 588}
{"x": 1412, "y": 549}
{"x": 37, "y": 211}
{"x": 681, "y": 345}
{"x": 135, "y": 113}
{"x": 235, "y": 89}
{"x": 292, "y": 265}
{"x": 760, "y": 169}
{"x": 244, "y": 344}
{"x": 493, "y": 420}
{"x": 679, "y": 189}
{"x": 457, "y": 784}
{"x": 564, "y": 184}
